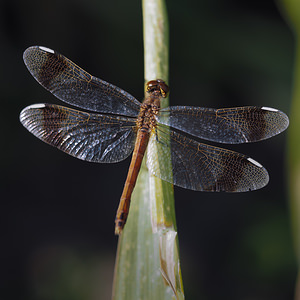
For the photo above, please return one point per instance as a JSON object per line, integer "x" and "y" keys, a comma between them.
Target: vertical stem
{"x": 156, "y": 40}
{"x": 147, "y": 265}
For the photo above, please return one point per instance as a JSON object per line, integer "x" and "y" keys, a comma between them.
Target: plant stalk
{"x": 147, "y": 265}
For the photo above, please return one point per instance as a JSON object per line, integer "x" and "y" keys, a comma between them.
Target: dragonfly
{"x": 115, "y": 124}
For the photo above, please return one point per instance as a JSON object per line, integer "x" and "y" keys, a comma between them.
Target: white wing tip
{"x": 38, "y": 105}
{"x": 254, "y": 162}
{"x": 269, "y": 108}
{"x": 46, "y": 49}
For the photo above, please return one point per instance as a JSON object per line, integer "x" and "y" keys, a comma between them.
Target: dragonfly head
{"x": 157, "y": 86}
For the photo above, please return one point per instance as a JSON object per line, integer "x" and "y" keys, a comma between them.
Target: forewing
{"x": 73, "y": 85}
{"x": 87, "y": 136}
{"x": 202, "y": 167}
{"x": 226, "y": 125}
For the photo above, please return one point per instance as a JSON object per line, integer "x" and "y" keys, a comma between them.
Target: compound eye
{"x": 151, "y": 85}
{"x": 159, "y": 86}
{"x": 164, "y": 89}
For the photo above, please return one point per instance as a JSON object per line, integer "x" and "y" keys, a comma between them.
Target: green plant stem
{"x": 147, "y": 265}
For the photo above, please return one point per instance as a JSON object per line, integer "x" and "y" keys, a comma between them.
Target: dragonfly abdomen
{"x": 134, "y": 168}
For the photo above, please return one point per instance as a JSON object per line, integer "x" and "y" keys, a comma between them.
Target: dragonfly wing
{"x": 87, "y": 136}
{"x": 226, "y": 125}
{"x": 73, "y": 85}
{"x": 202, "y": 167}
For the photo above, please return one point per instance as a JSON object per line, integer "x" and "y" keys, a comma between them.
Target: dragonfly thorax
{"x": 146, "y": 119}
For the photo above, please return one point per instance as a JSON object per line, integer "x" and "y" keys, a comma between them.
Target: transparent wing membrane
{"x": 87, "y": 136}
{"x": 73, "y": 85}
{"x": 201, "y": 167}
{"x": 226, "y": 125}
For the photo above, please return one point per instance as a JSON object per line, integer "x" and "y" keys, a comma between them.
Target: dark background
{"x": 57, "y": 213}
